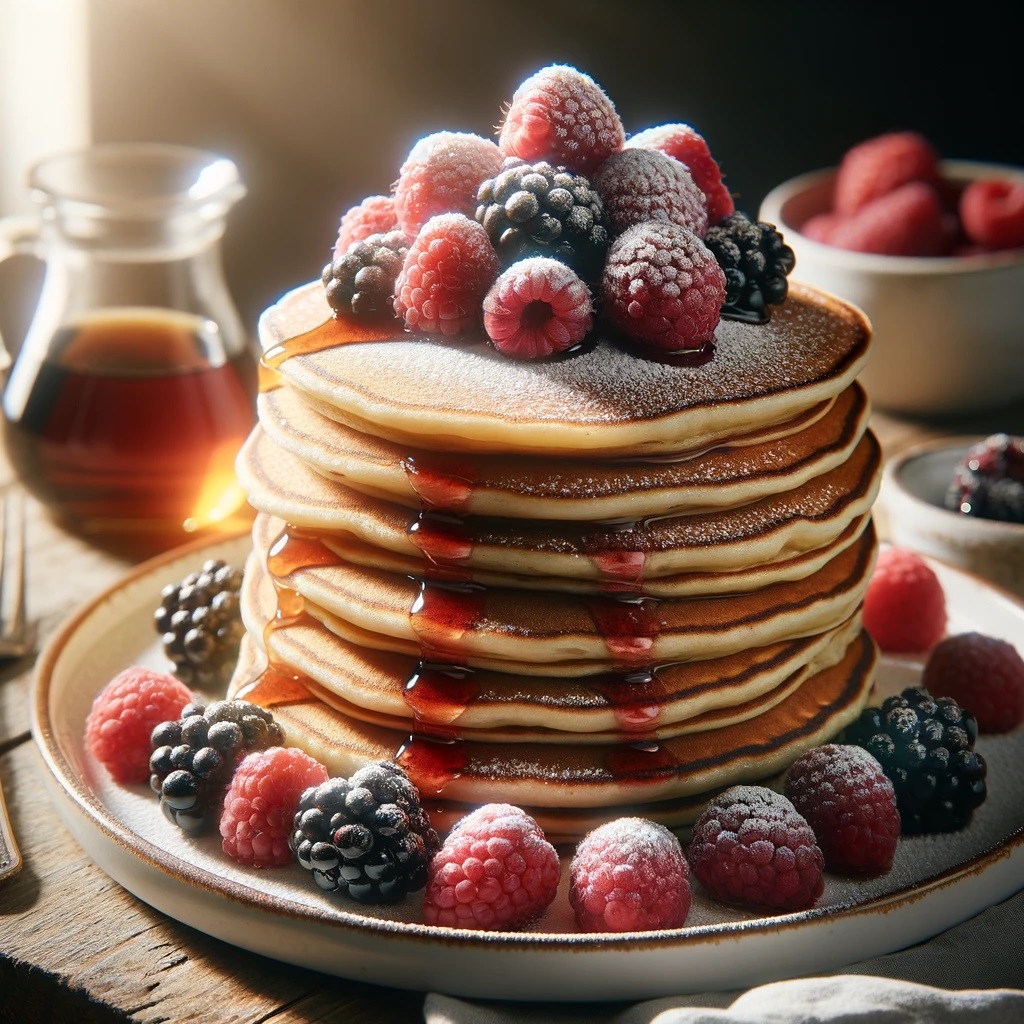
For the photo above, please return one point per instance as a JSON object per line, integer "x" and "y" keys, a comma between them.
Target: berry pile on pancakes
{"x": 604, "y": 580}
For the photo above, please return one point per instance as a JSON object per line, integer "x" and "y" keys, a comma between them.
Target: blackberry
{"x": 366, "y": 836}
{"x": 541, "y": 210}
{"x": 926, "y": 747}
{"x": 362, "y": 279}
{"x": 193, "y": 758}
{"x": 200, "y": 623}
{"x": 756, "y": 262}
{"x": 989, "y": 481}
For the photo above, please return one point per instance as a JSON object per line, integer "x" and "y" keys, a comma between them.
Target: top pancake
{"x": 463, "y": 395}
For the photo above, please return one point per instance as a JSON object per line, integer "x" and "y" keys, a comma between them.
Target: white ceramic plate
{"x": 936, "y": 882}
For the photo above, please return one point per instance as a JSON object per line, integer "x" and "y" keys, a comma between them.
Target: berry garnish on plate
{"x": 367, "y": 836}
{"x": 989, "y": 481}
{"x": 374, "y": 215}
{"x": 629, "y": 875}
{"x": 685, "y": 144}
{"x": 751, "y": 847}
{"x": 981, "y": 673}
{"x": 123, "y": 715}
{"x": 562, "y": 115}
{"x": 926, "y": 747}
{"x": 193, "y": 757}
{"x": 496, "y": 870}
{"x": 850, "y": 803}
{"x": 260, "y": 804}
{"x": 904, "y": 604}
{"x": 537, "y": 307}
{"x": 200, "y": 624}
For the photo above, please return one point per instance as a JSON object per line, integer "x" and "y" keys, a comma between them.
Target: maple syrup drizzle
{"x": 432, "y": 763}
{"x": 441, "y": 616}
{"x": 629, "y": 626}
{"x": 445, "y": 544}
{"x": 438, "y": 694}
{"x": 441, "y": 484}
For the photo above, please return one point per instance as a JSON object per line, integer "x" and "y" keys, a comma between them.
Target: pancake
{"x": 493, "y": 626}
{"x": 741, "y": 471}
{"x": 573, "y": 775}
{"x": 603, "y": 400}
{"x": 774, "y": 528}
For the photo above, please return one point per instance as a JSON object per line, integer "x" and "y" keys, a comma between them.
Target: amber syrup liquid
{"x": 128, "y": 434}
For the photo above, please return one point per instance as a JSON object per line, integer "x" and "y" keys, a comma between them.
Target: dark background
{"x": 320, "y": 100}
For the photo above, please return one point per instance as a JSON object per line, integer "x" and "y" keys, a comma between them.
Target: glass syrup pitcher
{"x": 135, "y": 384}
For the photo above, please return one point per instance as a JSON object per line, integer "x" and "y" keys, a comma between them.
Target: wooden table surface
{"x": 75, "y": 946}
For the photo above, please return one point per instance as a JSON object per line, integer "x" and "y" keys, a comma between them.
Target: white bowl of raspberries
{"x": 933, "y": 251}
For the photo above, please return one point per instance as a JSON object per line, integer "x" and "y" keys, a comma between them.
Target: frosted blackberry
{"x": 362, "y": 279}
{"x": 541, "y": 210}
{"x": 926, "y": 747}
{"x": 366, "y": 836}
{"x": 200, "y": 624}
{"x": 989, "y": 481}
{"x": 194, "y": 757}
{"x": 756, "y": 262}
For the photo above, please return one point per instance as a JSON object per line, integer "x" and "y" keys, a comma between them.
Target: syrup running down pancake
{"x": 592, "y": 585}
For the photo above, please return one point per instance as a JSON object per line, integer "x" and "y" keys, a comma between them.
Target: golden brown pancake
{"x": 462, "y": 395}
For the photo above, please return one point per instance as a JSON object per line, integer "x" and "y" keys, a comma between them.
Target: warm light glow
{"x": 221, "y": 496}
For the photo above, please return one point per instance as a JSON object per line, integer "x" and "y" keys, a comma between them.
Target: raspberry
{"x": 880, "y": 165}
{"x": 904, "y": 604}
{"x": 981, "y": 673}
{"x": 992, "y": 213}
{"x": 989, "y": 480}
{"x": 123, "y": 715}
{"x": 537, "y": 307}
{"x": 637, "y": 185}
{"x": 663, "y": 286}
{"x": 495, "y": 870}
{"x": 441, "y": 175}
{"x": 261, "y": 801}
{"x": 850, "y": 803}
{"x": 686, "y": 145}
{"x": 447, "y": 272}
{"x": 820, "y": 227}
{"x": 751, "y": 847}
{"x": 561, "y": 115}
{"x": 909, "y": 221}
{"x": 375, "y": 215}
{"x": 629, "y": 875}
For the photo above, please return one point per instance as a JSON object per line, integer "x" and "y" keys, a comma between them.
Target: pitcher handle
{"x": 20, "y": 235}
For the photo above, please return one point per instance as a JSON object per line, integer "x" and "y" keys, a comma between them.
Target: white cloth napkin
{"x": 973, "y": 973}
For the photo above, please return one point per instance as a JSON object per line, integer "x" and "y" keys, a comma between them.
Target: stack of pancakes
{"x": 591, "y": 586}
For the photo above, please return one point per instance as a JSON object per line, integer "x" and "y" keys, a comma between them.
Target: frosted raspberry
{"x": 880, "y": 165}
{"x": 909, "y": 221}
{"x": 663, "y": 286}
{"x": 751, "y": 847}
{"x": 123, "y": 715}
{"x": 495, "y": 870}
{"x": 992, "y": 213}
{"x": 689, "y": 147}
{"x": 981, "y": 673}
{"x": 904, "y": 604}
{"x": 441, "y": 174}
{"x": 260, "y": 804}
{"x": 447, "y": 272}
{"x": 629, "y": 875}
{"x": 375, "y": 215}
{"x": 561, "y": 115}
{"x": 638, "y": 185}
{"x": 537, "y": 307}
{"x": 850, "y": 803}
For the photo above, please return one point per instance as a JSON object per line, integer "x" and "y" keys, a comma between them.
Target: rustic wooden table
{"x": 75, "y": 946}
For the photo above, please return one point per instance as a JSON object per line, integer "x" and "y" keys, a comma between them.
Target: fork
{"x": 14, "y": 633}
